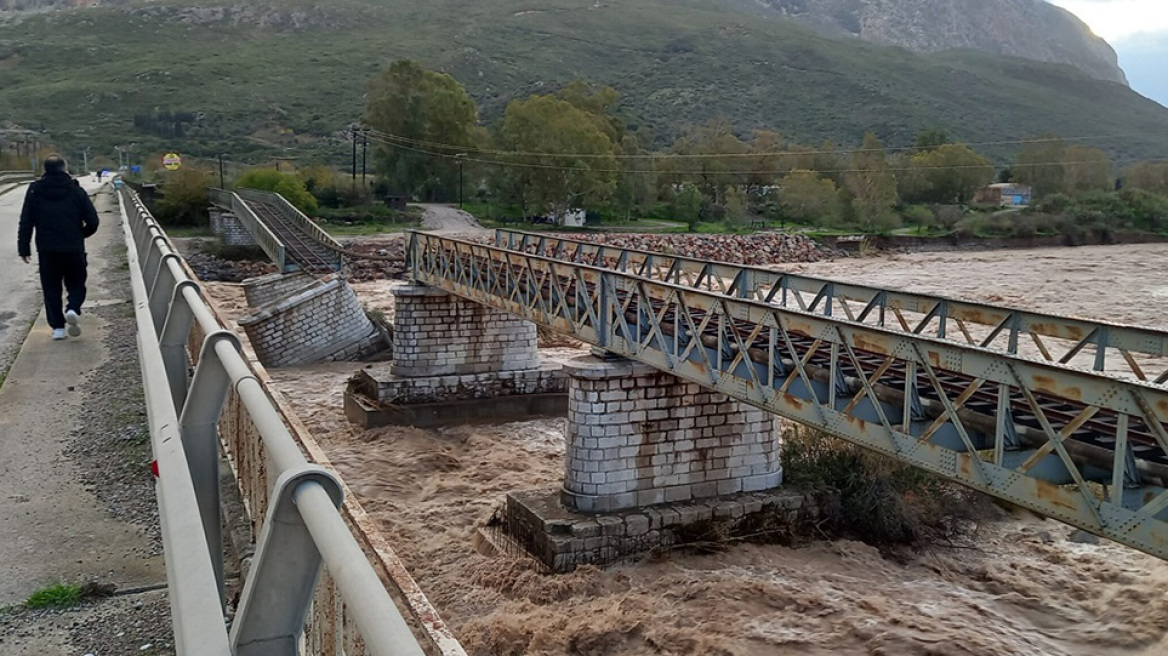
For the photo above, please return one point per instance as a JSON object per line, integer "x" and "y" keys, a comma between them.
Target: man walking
{"x": 59, "y": 211}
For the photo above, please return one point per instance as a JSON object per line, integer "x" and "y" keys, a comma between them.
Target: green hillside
{"x": 286, "y": 79}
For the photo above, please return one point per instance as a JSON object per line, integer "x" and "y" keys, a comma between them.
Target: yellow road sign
{"x": 172, "y": 161}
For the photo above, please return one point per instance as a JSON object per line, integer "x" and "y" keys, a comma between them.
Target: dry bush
{"x": 882, "y": 502}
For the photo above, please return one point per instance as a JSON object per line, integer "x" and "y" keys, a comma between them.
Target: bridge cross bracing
{"x": 1085, "y": 447}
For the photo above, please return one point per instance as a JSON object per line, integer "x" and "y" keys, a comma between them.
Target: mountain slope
{"x": 286, "y": 77}
{"x": 1032, "y": 29}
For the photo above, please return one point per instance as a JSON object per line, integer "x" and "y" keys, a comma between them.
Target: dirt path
{"x": 451, "y": 221}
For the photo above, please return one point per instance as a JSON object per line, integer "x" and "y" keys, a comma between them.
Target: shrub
{"x": 287, "y": 185}
{"x": 1055, "y": 204}
{"x": 881, "y": 502}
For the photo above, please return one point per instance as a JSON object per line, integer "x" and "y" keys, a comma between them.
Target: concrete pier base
{"x": 562, "y": 539}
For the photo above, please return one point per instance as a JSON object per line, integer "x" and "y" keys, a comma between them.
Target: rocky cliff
{"x": 1032, "y": 29}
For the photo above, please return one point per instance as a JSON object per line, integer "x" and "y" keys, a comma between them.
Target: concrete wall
{"x": 229, "y": 229}
{"x": 638, "y": 437}
{"x": 322, "y": 322}
{"x": 439, "y": 334}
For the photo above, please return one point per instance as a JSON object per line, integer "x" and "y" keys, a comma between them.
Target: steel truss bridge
{"x": 940, "y": 384}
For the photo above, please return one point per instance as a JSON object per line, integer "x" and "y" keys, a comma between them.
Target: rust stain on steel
{"x": 1060, "y": 330}
{"x": 1049, "y": 385}
{"x": 872, "y": 343}
{"x": 935, "y": 359}
{"x": 1055, "y": 496}
{"x": 793, "y": 401}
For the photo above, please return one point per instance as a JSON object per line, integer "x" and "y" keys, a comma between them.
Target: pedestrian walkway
{"x": 53, "y": 529}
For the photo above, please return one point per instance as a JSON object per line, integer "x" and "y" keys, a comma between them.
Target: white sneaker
{"x": 74, "y": 322}
{"x": 58, "y": 334}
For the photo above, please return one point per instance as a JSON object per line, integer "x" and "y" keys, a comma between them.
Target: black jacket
{"x": 61, "y": 214}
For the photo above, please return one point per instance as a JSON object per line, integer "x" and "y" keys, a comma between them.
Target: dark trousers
{"x": 66, "y": 268}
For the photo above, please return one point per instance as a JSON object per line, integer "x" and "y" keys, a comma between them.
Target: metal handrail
{"x": 265, "y": 238}
{"x": 945, "y": 317}
{"x": 303, "y": 527}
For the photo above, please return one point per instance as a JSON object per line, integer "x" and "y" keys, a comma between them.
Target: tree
{"x": 710, "y": 156}
{"x": 947, "y": 174}
{"x": 563, "y": 159}
{"x": 872, "y": 185}
{"x": 1149, "y": 176}
{"x": 735, "y": 205}
{"x": 807, "y": 198}
{"x": 687, "y": 206}
{"x": 1040, "y": 165}
{"x": 635, "y": 188}
{"x": 287, "y": 185}
{"x": 426, "y": 119}
{"x": 931, "y": 139}
{"x": 184, "y": 197}
{"x": 1087, "y": 169}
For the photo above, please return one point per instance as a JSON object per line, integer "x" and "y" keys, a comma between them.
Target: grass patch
{"x": 58, "y": 595}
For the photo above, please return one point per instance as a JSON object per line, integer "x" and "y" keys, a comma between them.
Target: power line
{"x": 779, "y": 153}
{"x": 893, "y": 169}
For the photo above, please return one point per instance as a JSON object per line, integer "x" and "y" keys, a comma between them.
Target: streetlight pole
{"x": 222, "y": 185}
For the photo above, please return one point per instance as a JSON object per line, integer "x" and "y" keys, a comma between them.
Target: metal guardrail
{"x": 265, "y": 238}
{"x": 296, "y": 509}
{"x": 1038, "y": 435}
{"x": 989, "y": 326}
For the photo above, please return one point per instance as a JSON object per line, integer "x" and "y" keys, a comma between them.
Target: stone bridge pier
{"x": 455, "y": 361}
{"x": 640, "y": 437}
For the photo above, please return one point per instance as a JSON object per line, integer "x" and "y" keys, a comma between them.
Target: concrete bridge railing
{"x": 321, "y": 582}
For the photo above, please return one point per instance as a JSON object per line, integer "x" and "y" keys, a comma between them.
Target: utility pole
{"x": 364, "y": 153}
{"x": 221, "y": 184}
{"x": 85, "y": 159}
{"x": 353, "y": 135}
{"x": 460, "y": 158}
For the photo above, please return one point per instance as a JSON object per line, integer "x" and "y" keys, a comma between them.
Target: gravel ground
{"x": 131, "y": 624}
{"x": 111, "y": 445}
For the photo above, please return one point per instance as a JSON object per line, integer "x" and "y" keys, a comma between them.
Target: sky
{"x": 1138, "y": 30}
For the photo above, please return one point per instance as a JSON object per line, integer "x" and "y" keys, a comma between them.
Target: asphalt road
{"x": 19, "y": 288}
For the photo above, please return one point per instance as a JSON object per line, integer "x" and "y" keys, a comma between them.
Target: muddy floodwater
{"x": 1023, "y": 587}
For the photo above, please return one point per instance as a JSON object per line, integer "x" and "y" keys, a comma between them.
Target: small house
{"x": 1005, "y": 194}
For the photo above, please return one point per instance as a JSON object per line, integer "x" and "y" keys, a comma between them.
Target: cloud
{"x": 1142, "y": 57}
{"x": 1116, "y": 19}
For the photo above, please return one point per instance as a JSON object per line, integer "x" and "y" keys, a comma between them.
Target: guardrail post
{"x": 160, "y": 292}
{"x": 199, "y": 427}
{"x": 278, "y": 591}
{"x": 173, "y": 342}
